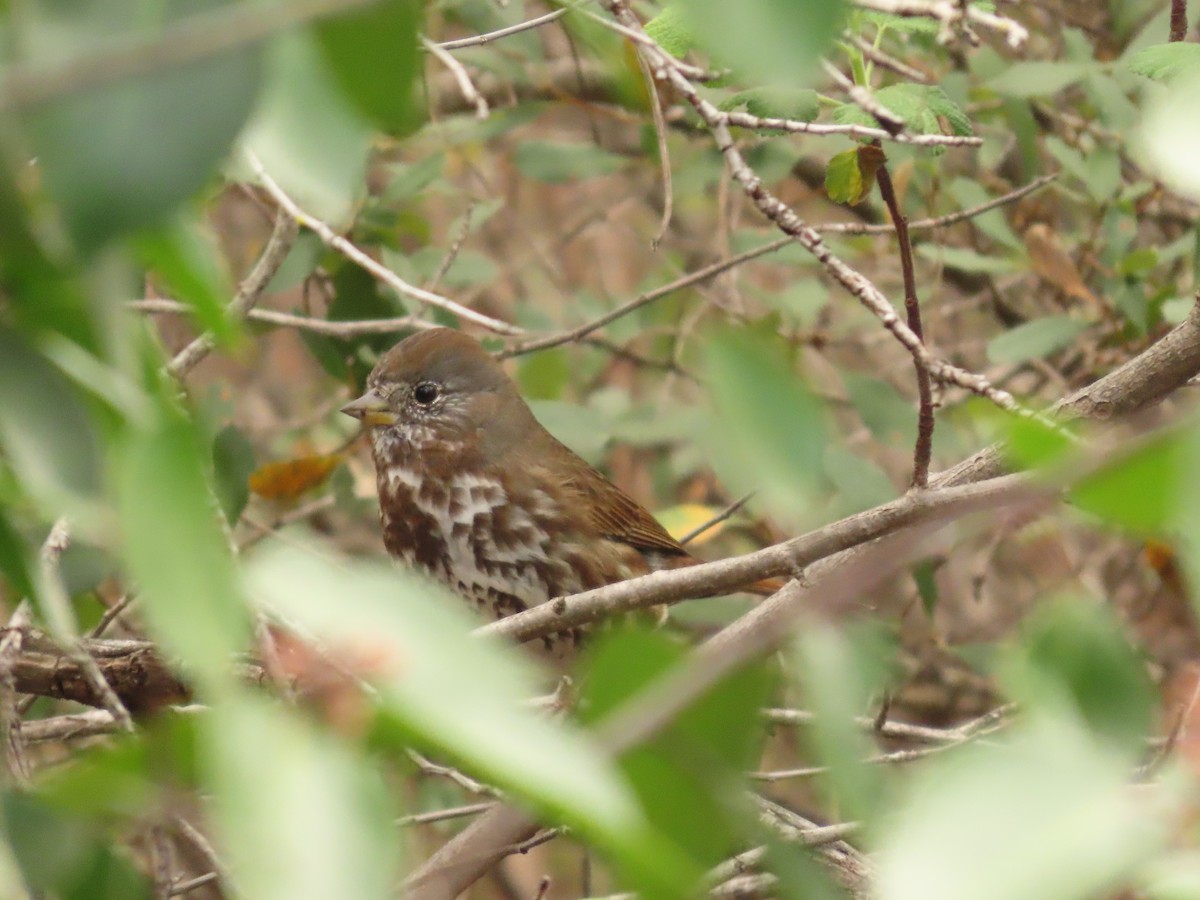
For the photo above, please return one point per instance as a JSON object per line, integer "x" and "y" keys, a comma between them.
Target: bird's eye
{"x": 425, "y": 393}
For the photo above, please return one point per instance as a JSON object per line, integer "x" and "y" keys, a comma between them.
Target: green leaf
{"x": 967, "y": 260}
{"x": 670, "y": 29}
{"x": 799, "y": 104}
{"x": 843, "y": 672}
{"x": 409, "y": 180}
{"x": 309, "y": 138}
{"x": 1073, "y": 657}
{"x": 1140, "y": 491}
{"x": 1170, "y": 133}
{"x": 233, "y": 463}
{"x": 186, "y": 258}
{"x": 1038, "y": 78}
{"x": 919, "y": 105}
{"x": 967, "y": 193}
{"x": 770, "y": 41}
{"x": 1162, "y": 62}
{"x": 843, "y": 179}
{"x": 690, "y": 777}
{"x": 45, "y": 427}
{"x": 62, "y": 855}
{"x": 374, "y": 56}
{"x": 453, "y": 692}
{"x": 177, "y": 552}
{"x": 1034, "y": 339}
{"x": 16, "y": 559}
{"x": 902, "y": 24}
{"x": 924, "y": 576}
{"x": 767, "y": 431}
{"x": 122, "y": 155}
{"x": 555, "y": 162}
{"x": 300, "y": 815}
{"x": 1048, "y": 813}
{"x": 1031, "y": 443}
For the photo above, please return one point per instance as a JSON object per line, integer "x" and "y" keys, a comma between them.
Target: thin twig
{"x": 10, "y": 709}
{"x": 892, "y": 123}
{"x": 481, "y": 39}
{"x": 382, "y": 273}
{"x": 923, "y": 451}
{"x": 440, "y": 815}
{"x": 465, "y": 86}
{"x": 184, "y": 887}
{"x": 716, "y": 520}
{"x": 787, "y": 220}
{"x": 59, "y": 617}
{"x": 877, "y": 56}
{"x": 1179, "y": 22}
{"x": 283, "y": 235}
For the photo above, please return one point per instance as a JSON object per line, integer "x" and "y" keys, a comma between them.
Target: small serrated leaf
{"x": 801, "y": 105}
{"x": 1163, "y": 62}
{"x": 670, "y": 29}
{"x": 850, "y": 175}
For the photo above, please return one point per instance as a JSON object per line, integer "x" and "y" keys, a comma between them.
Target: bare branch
{"x": 283, "y": 236}
{"x": 381, "y": 272}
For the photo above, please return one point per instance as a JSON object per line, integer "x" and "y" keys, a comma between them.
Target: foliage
{"x": 214, "y": 516}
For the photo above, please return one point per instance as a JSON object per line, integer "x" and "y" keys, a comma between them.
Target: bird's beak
{"x": 370, "y": 409}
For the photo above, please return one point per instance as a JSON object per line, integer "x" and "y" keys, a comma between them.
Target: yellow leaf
{"x": 290, "y": 478}
{"x": 687, "y": 517}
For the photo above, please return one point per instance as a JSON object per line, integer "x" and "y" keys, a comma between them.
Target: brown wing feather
{"x": 619, "y": 517}
{"x": 613, "y": 513}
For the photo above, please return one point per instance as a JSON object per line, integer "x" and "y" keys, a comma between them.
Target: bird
{"x": 477, "y": 494}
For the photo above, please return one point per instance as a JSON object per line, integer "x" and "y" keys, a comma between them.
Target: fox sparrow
{"x": 475, "y": 492}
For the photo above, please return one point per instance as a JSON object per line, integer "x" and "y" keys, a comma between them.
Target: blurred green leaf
{"x": 1047, "y": 814}
{"x": 768, "y": 430}
{"x": 309, "y": 138}
{"x": 1170, "y": 133}
{"x": 968, "y": 193}
{"x": 45, "y": 427}
{"x": 374, "y": 55}
{"x": 1031, "y": 444}
{"x": 300, "y": 814}
{"x": 67, "y": 856}
{"x": 461, "y": 695}
{"x": 409, "y": 180}
{"x": 187, "y": 260}
{"x": 16, "y": 558}
{"x": 543, "y": 375}
{"x": 1073, "y": 658}
{"x": 122, "y": 155}
{"x": 1038, "y": 78}
{"x": 968, "y": 260}
{"x": 233, "y": 463}
{"x": 690, "y": 777}
{"x": 924, "y": 576}
{"x": 176, "y": 550}
{"x": 555, "y": 162}
{"x": 1034, "y": 339}
{"x": 858, "y": 482}
{"x": 771, "y": 41}
{"x": 1140, "y": 490}
{"x": 842, "y": 673}
{"x": 1163, "y": 62}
